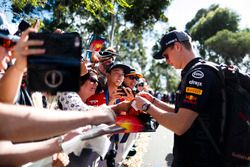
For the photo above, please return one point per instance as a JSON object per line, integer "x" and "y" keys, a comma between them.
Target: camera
{"x": 58, "y": 69}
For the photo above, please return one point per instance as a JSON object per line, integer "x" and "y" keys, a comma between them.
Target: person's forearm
{"x": 21, "y": 123}
{"x": 178, "y": 122}
{"x": 10, "y": 85}
{"x": 18, "y": 154}
{"x": 162, "y": 105}
{"x": 166, "y": 119}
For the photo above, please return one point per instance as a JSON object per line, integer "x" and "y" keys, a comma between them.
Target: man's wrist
{"x": 145, "y": 107}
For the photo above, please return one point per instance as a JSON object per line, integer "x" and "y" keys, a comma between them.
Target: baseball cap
{"x": 5, "y": 29}
{"x": 112, "y": 66}
{"x": 132, "y": 72}
{"x": 170, "y": 38}
{"x": 108, "y": 52}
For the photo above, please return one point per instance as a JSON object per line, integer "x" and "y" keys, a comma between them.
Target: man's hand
{"x": 140, "y": 101}
{"x": 129, "y": 94}
{"x": 60, "y": 160}
{"x": 121, "y": 107}
{"x": 146, "y": 95}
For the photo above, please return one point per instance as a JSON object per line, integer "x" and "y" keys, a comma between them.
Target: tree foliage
{"x": 162, "y": 72}
{"x": 144, "y": 14}
{"x": 163, "y": 77}
{"x": 220, "y": 39}
{"x": 207, "y": 22}
{"x": 231, "y": 46}
{"x": 126, "y": 20}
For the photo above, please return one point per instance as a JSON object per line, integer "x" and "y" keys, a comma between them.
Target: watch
{"x": 145, "y": 107}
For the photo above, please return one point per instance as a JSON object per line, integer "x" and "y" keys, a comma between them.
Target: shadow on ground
{"x": 169, "y": 159}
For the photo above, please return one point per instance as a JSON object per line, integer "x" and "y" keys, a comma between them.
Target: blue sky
{"x": 182, "y": 11}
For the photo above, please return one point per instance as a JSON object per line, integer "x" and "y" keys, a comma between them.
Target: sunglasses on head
{"x": 92, "y": 79}
{"x": 6, "y": 43}
{"x": 133, "y": 77}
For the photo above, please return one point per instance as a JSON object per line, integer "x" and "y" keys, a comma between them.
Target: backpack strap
{"x": 218, "y": 69}
{"x": 209, "y": 136}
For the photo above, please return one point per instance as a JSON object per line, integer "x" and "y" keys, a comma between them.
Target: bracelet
{"x": 60, "y": 140}
{"x": 153, "y": 100}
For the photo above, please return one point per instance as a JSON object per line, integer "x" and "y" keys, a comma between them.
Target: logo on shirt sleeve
{"x": 194, "y": 90}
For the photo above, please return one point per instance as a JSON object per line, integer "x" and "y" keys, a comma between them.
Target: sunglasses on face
{"x": 93, "y": 80}
{"x": 141, "y": 84}
{"x": 107, "y": 53}
{"x": 6, "y": 43}
{"x": 131, "y": 77}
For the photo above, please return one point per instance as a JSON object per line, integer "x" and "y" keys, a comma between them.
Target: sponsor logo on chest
{"x": 194, "y": 90}
{"x": 196, "y": 83}
{"x": 198, "y": 74}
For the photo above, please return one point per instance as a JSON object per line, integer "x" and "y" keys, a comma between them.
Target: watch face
{"x": 145, "y": 107}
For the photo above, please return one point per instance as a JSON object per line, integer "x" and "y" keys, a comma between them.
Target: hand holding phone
{"x": 121, "y": 91}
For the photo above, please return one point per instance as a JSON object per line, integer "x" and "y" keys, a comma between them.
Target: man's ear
{"x": 178, "y": 46}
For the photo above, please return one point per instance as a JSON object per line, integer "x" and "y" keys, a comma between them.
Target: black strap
{"x": 209, "y": 136}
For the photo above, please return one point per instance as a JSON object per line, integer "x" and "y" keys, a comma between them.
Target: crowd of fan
{"x": 34, "y": 127}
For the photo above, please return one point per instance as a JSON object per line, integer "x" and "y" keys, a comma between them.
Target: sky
{"x": 182, "y": 11}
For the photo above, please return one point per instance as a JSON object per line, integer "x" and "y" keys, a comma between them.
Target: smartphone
{"x": 121, "y": 90}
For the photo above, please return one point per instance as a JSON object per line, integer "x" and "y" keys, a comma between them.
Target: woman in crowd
{"x": 76, "y": 101}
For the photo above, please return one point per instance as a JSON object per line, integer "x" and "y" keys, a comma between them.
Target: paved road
{"x": 159, "y": 149}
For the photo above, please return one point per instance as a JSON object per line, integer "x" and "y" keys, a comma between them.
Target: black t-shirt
{"x": 201, "y": 93}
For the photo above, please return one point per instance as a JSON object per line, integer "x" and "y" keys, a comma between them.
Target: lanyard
{"x": 106, "y": 92}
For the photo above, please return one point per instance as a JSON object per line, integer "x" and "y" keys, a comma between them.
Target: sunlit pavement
{"x": 159, "y": 149}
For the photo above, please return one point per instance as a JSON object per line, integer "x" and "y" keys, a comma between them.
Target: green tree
{"x": 162, "y": 72}
{"x": 231, "y": 46}
{"x": 126, "y": 21}
{"x": 207, "y": 22}
{"x": 163, "y": 77}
